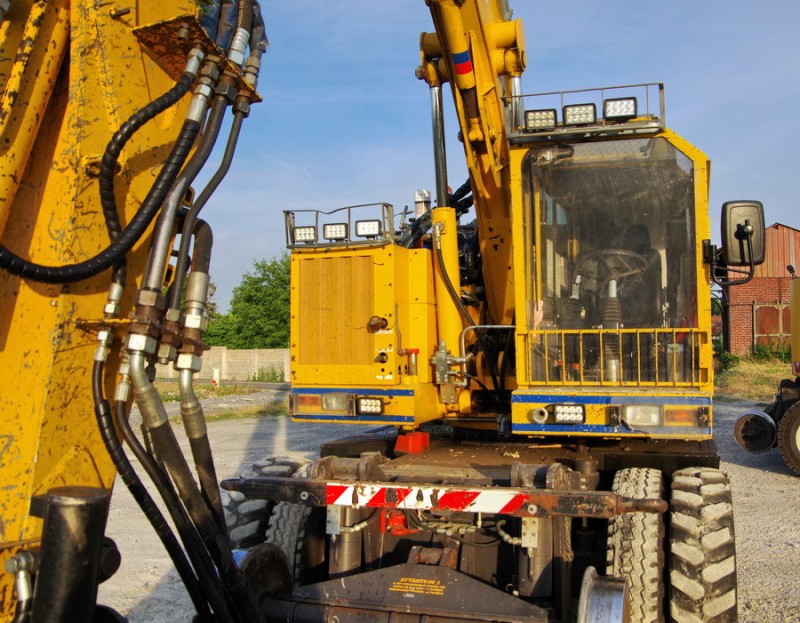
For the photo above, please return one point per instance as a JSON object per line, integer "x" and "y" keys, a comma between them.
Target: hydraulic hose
{"x": 166, "y": 450}
{"x": 127, "y": 238}
{"x": 199, "y": 204}
{"x": 227, "y": 18}
{"x": 191, "y": 410}
{"x": 122, "y": 241}
{"x": 207, "y": 576}
{"x": 142, "y": 497}
{"x": 163, "y": 231}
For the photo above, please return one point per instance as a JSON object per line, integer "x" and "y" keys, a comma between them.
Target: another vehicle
{"x": 544, "y": 371}
{"x": 779, "y": 424}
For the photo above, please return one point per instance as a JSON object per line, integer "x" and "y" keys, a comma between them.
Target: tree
{"x": 259, "y": 314}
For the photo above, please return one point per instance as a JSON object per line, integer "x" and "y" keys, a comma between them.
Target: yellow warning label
{"x": 420, "y": 586}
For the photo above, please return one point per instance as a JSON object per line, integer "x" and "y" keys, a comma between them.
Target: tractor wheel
{"x": 789, "y": 437}
{"x": 247, "y": 519}
{"x": 702, "y": 548}
{"x": 635, "y": 546}
{"x": 299, "y": 531}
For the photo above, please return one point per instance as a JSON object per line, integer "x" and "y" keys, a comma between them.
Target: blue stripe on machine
{"x": 400, "y": 419}
{"x": 609, "y": 400}
{"x": 349, "y": 390}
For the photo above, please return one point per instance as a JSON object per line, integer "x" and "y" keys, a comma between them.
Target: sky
{"x": 344, "y": 120}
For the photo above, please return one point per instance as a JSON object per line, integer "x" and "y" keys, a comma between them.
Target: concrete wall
{"x": 236, "y": 365}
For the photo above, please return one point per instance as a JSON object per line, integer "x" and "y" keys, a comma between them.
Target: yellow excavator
{"x": 540, "y": 377}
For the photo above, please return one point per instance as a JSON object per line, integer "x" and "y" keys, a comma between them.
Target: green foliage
{"x": 726, "y": 360}
{"x": 259, "y": 314}
{"x": 771, "y": 352}
{"x": 272, "y": 374}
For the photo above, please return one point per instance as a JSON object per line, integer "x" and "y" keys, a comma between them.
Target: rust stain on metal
{"x": 170, "y": 41}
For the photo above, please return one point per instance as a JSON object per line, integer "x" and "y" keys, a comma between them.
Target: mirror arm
{"x": 715, "y": 256}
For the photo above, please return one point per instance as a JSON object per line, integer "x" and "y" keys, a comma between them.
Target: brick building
{"x": 757, "y": 312}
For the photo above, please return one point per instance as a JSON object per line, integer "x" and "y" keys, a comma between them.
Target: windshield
{"x": 615, "y": 244}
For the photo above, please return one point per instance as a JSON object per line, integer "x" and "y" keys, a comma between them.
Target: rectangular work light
{"x": 580, "y": 114}
{"x": 369, "y": 406}
{"x": 569, "y": 414}
{"x": 540, "y": 119}
{"x": 335, "y": 232}
{"x": 619, "y": 109}
{"x": 368, "y": 229}
{"x": 307, "y": 233}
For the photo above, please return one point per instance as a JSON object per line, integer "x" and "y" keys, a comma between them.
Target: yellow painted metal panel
{"x": 54, "y": 134}
{"x": 336, "y": 302}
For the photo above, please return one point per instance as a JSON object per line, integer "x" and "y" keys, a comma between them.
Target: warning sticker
{"x": 420, "y": 586}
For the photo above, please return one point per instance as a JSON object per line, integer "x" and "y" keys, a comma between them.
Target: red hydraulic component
{"x": 394, "y": 522}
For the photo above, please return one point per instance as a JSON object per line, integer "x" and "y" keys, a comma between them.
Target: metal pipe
{"x": 72, "y": 541}
{"x": 152, "y": 409}
{"x": 199, "y": 204}
{"x": 163, "y": 231}
{"x": 439, "y": 149}
{"x": 517, "y": 120}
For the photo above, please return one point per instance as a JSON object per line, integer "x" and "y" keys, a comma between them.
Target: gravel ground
{"x": 146, "y": 588}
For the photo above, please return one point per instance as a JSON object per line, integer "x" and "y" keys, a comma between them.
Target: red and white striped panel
{"x": 412, "y": 497}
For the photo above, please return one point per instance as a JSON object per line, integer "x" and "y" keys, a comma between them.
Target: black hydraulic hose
{"x": 207, "y": 576}
{"x": 227, "y": 18}
{"x": 244, "y": 17}
{"x": 465, "y": 316}
{"x": 258, "y": 35}
{"x": 109, "y": 162}
{"x": 121, "y": 137}
{"x": 455, "y": 296}
{"x": 161, "y": 242}
{"x": 199, "y": 204}
{"x": 142, "y": 497}
{"x": 166, "y": 448}
{"x": 193, "y": 414}
{"x": 126, "y": 239}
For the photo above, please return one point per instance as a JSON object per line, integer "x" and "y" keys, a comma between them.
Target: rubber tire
{"x": 635, "y": 546}
{"x": 789, "y": 438}
{"x": 248, "y": 520}
{"x": 287, "y": 529}
{"x": 299, "y": 531}
{"x": 702, "y": 547}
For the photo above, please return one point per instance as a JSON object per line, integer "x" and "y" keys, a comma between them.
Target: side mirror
{"x": 742, "y": 233}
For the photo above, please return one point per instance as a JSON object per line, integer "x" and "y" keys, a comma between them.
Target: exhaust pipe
{"x": 755, "y": 431}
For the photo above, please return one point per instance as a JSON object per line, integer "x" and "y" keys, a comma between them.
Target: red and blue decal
{"x": 462, "y": 62}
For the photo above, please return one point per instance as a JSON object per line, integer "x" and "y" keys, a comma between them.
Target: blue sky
{"x": 344, "y": 120}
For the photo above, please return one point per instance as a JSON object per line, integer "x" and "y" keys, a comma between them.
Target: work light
{"x": 335, "y": 232}
{"x": 619, "y": 109}
{"x": 540, "y": 119}
{"x": 569, "y": 414}
{"x": 307, "y": 233}
{"x": 580, "y": 114}
{"x": 368, "y": 229}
